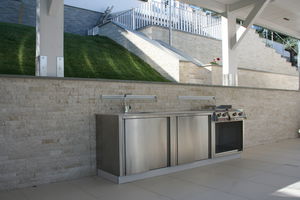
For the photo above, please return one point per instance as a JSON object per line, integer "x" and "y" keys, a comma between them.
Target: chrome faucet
{"x": 127, "y": 107}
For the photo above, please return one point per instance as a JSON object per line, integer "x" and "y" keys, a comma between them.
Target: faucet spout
{"x": 127, "y": 107}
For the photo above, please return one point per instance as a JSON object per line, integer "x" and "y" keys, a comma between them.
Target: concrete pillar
{"x": 229, "y": 54}
{"x": 231, "y": 37}
{"x": 170, "y": 23}
{"x": 50, "y": 38}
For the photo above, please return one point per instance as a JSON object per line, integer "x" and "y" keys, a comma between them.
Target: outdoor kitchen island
{"x": 133, "y": 146}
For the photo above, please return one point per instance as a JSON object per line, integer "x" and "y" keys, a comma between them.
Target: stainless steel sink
{"x": 138, "y": 112}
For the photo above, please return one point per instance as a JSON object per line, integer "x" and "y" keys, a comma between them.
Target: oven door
{"x": 228, "y": 137}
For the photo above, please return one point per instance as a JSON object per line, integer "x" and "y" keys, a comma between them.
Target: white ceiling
{"x": 101, "y": 5}
{"x": 272, "y": 16}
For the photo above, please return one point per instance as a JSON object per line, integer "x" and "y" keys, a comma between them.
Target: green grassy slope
{"x": 85, "y": 56}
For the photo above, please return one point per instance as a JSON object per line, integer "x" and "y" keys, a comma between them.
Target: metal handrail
{"x": 283, "y": 42}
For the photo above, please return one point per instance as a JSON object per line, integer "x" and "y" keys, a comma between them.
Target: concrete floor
{"x": 264, "y": 172}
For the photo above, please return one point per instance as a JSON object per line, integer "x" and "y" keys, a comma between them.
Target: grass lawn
{"x": 85, "y": 56}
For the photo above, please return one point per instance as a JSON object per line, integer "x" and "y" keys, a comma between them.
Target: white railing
{"x": 183, "y": 18}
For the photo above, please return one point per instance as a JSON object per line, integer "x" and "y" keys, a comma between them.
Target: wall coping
{"x": 254, "y": 70}
{"x": 66, "y": 5}
{"x": 194, "y": 34}
{"x": 136, "y": 81}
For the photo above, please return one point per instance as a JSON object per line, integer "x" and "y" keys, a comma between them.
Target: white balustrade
{"x": 184, "y": 18}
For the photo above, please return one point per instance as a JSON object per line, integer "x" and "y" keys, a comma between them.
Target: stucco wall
{"x": 47, "y": 125}
{"x": 252, "y": 52}
{"x": 77, "y": 20}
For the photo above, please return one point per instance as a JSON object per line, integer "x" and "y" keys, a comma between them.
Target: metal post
{"x": 133, "y": 19}
{"x": 272, "y": 38}
{"x": 265, "y": 35}
{"x": 170, "y": 23}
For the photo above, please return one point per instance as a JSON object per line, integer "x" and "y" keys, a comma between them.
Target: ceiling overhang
{"x": 279, "y": 15}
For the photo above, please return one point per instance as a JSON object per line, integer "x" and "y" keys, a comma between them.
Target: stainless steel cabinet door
{"x": 193, "y": 139}
{"x": 146, "y": 144}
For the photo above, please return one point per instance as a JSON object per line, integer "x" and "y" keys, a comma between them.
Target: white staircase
{"x": 164, "y": 60}
{"x": 180, "y": 17}
{"x": 253, "y": 54}
{"x": 196, "y": 41}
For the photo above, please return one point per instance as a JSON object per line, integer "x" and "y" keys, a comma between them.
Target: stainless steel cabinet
{"x": 129, "y": 144}
{"x": 193, "y": 138}
{"x": 146, "y": 144}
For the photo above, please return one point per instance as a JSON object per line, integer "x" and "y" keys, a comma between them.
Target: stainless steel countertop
{"x": 160, "y": 114}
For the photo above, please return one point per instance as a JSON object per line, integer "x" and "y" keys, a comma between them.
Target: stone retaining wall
{"x": 47, "y": 125}
{"x": 77, "y": 20}
{"x": 252, "y": 52}
{"x": 259, "y": 79}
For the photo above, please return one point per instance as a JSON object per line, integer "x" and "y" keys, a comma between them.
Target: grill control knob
{"x": 233, "y": 114}
{"x": 224, "y": 115}
{"x": 240, "y": 114}
{"x": 219, "y": 115}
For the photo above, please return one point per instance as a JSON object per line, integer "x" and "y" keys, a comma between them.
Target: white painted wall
{"x": 101, "y": 5}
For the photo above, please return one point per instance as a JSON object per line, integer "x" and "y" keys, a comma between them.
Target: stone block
{"x": 46, "y": 142}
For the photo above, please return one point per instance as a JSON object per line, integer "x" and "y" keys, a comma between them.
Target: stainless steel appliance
{"x": 131, "y": 146}
{"x": 227, "y": 136}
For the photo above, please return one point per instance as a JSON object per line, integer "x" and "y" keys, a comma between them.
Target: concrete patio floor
{"x": 264, "y": 172}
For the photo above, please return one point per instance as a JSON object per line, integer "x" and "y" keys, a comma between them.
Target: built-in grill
{"x": 228, "y": 123}
{"x": 225, "y": 113}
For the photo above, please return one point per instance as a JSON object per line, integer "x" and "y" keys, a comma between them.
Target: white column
{"x": 50, "y": 38}
{"x": 229, "y": 55}
{"x": 170, "y": 23}
{"x": 231, "y": 37}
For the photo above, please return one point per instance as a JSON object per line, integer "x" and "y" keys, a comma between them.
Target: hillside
{"x": 85, "y": 56}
